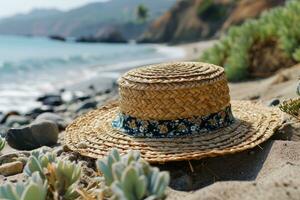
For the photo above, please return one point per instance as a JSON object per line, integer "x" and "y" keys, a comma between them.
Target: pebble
{"x": 37, "y": 111}
{"x": 90, "y": 104}
{"x": 51, "y": 99}
{"x": 16, "y": 120}
{"x": 4, "y": 117}
{"x": 58, "y": 120}
{"x": 274, "y": 102}
{"x": 37, "y": 134}
{"x": 11, "y": 168}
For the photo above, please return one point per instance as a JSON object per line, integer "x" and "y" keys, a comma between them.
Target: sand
{"x": 269, "y": 171}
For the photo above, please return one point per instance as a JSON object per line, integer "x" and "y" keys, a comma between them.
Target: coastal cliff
{"x": 194, "y": 20}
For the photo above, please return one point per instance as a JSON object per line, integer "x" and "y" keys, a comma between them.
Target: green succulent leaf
{"x": 34, "y": 191}
{"x": 103, "y": 167}
{"x": 33, "y": 165}
{"x": 131, "y": 178}
{"x": 7, "y": 191}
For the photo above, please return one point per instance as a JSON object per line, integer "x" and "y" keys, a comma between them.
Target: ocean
{"x": 32, "y": 66}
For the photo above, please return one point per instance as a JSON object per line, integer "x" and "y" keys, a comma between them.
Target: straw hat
{"x": 172, "y": 112}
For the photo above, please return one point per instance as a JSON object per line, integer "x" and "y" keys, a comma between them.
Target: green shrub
{"x": 235, "y": 51}
{"x": 131, "y": 178}
{"x": 209, "y": 10}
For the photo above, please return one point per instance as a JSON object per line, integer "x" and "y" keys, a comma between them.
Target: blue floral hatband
{"x": 171, "y": 128}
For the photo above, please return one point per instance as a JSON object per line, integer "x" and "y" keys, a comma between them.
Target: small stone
{"x": 86, "y": 105}
{"x": 37, "y": 134}
{"x": 4, "y": 117}
{"x": 274, "y": 102}
{"x": 37, "y": 111}
{"x": 16, "y": 120}
{"x": 60, "y": 122}
{"x": 51, "y": 99}
{"x": 12, "y": 168}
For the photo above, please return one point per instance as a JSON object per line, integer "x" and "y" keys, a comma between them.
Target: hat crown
{"x": 178, "y": 74}
{"x": 171, "y": 91}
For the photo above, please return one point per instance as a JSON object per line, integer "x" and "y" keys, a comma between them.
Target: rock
{"x": 274, "y": 102}
{"x": 57, "y": 37}
{"x": 51, "y": 99}
{"x": 37, "y": 111}
{"x": 61, "y": 109}
{"x": 12, "y": 168}
{"x": 4, "y": 117}
{"x": 3, "y": 130}
{"x": 298, "y": 89}
{"x": 109, "y": 35}
{"x": 83, "y": 98}
{"x": 16, "y": 120}
{"x": 90, "y": 104}
{"x": 40, "y": 133}
{"x": 58, "y": 120}
{"x": 11, "y": 157}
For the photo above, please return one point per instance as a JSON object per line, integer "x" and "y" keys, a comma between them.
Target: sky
{"x": 12, "y": 7}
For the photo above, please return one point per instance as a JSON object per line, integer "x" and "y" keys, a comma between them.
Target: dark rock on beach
{"x": 37, "y": 134}
{"x": 51, "y": 99}
{"x": 37, "y": 111}
{"x": 5, "y": 116}
{"x": 86, "y": 105}
{"x": 274, "y": 102}
{"x": 57, "y": 37}
{"x": 58, "y": 120}
{"x": 16, "y": 120}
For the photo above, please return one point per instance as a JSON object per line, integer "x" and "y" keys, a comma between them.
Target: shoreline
{"x": 108, "y": 77}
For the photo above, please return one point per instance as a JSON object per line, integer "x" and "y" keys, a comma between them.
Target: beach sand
{"x": 269, "y": 171}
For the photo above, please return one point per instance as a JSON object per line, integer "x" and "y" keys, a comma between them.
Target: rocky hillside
{"x": 191, "y": 20}
{"x": 86, "y": 20}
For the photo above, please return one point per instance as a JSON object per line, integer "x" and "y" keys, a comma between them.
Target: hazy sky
{"x": 11, "y": 7}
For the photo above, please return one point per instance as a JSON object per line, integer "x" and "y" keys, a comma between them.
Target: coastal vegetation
{"x": 121, "y": 177}
{"x": 259, "y": 47}
{"x": 292, "y": 107}
{"x": 130, "y": 177}
{"x": 195, "y": 20}
{"x": 142, "y": 13}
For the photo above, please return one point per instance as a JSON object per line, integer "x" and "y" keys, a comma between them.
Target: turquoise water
{"x": 31, "y": 66}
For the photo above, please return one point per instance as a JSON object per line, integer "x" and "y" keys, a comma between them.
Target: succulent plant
{"x": 131, "y": 178}
{"x": 2, "y": 143}
{"x": 35, "y": 188}
{"x": 39, "y": 161}
{"x": 62, "y": 176}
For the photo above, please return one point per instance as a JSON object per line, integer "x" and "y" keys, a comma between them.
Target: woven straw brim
{"x": 92, "y": 135}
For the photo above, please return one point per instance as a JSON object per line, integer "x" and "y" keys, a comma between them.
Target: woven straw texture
{"x": 92, "y": 135}
{"x": 171, "y": 91}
